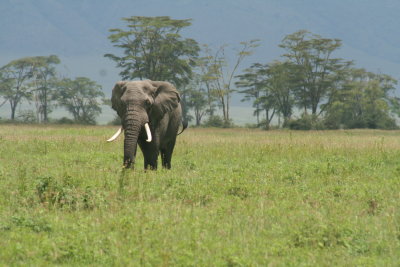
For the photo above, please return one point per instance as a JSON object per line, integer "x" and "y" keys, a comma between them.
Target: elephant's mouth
{"x": 119, "y": 131}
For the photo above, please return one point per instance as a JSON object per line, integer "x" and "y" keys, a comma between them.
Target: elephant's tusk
{"x": 146, "y": 126}
{"x": 112, "y": 138}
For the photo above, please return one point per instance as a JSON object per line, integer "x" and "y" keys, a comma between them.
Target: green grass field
{"x": 234, "y": 197}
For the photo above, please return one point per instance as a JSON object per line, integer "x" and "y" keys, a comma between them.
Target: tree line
{"x": 35, "y": 80}
{"x": 327, "y": 92}
{"x": 306, "y": 88}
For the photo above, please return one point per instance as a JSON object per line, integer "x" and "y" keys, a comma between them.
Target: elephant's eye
{"x": 148, "y": 103}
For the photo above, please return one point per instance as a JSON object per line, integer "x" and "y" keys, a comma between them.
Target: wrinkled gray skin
{"x": 155, "y": 102}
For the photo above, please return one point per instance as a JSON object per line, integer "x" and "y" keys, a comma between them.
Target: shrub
{"x": 306, "y": 122}
{"x": 218, "y": 121}
{"x": 64, "y": 120}
{"x": 64, "y": 194}
{"x": 27, "y": 116}
{"x": 251, "y": 125}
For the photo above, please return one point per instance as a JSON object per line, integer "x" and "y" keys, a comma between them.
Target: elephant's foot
{"x": 128, "y": 163}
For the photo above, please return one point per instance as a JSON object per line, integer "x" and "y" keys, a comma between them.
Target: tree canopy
{"x": 154, "y": 49}
{"x": 44, "y": 89}
{"x": 328, "y": 92}
{"x": 36, "y": 79}
{"x": 15, "y": 76}
{"x": 316, "y": 68}
{"x": 81, "y": 97}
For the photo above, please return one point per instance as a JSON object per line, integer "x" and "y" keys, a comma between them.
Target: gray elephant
{"x": 151, "y": 115}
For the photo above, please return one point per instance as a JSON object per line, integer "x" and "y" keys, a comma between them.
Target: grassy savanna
{"x": 234, "y": 197}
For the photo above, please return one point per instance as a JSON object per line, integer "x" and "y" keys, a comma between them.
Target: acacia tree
{"x": 316, "y": 70}
{"x": 14, "y": 78}
{"x": 254, "y": 81}
{"x": 223, "y": 73}
{"x": 206, "y": 70}
{"x": 154, "y": 49}
{"x": 269, "y": 86}
{"x": 197, "y": 98}
{"x": 81, "y": 97}
{"x": 362, "y": 101}
{"x": 44, "y": 74}
{"x": 279, "y": 82}
{"x": 5, "y": 84}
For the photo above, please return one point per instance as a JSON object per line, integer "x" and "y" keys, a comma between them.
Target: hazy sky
{"x": 77, "y": 30}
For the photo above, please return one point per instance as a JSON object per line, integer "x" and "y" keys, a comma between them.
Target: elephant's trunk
{"x": 133, "y": 124}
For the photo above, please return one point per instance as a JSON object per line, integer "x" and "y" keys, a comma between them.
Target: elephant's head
{"x": 139, "y": 103}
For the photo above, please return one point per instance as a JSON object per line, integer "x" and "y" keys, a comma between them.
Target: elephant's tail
{"x": 184, "y": 126}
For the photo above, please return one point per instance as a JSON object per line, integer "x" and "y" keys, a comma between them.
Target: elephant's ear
{"x": 166, "y": 99}
{"x": 117, "y": 93}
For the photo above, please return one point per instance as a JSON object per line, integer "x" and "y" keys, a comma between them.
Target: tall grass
{"x": 233, "y": 198}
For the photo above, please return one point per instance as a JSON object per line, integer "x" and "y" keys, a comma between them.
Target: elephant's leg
{"x": 163, "y": 159}
{"x": 150, "y": 155}
{"x": 166, "y": 154}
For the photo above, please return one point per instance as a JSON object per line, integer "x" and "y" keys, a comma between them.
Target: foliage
{"x": 81, "y": 97}
{"x": 327, "y": 198}
{"x": 305, "y": 122}
{"x": 44, "y": 85}
{"x": 154, "y": 49}
{"x": 27, "y": 116}
{"x": 219, "y": 74}
{"x": 363, "y": 101}
{"x": 267, "y": 86}
{"x": 315, "y": 70}
{"x": 64, "y": 120}
{"x": 195, "y": 97}
{"x": 218, "y": 122}
{"x": 325, "y": 91}
{"x": 14, "y": 77}
{"x": 206, "y": 68}
{"x": 280, "y": 79}
{"x": 337, "y": 95}
{"x": 253, "y": 81}
{"x": 35, "y": 78}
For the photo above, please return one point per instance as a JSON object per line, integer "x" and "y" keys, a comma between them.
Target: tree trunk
{"x": 13, "y": 109}
{"x": 258, "y": 115}
{"x": 279, "y": 120}
{"x": 314, "y": 109}
{"x": 223, "y": 108}
{"x": 227, "y": 107}
{"x": 45, "y": 118}
{"x": 266, "y": 119}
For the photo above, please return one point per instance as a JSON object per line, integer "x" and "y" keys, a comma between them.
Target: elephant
{"x": 151, "y": 115}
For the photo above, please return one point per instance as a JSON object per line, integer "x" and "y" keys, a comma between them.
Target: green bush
{"x": 251, "y": 125}
{"x": 27, "y": 116}
{"x": 64, "y": 120}
{"x": 306, "y": 122}
{"x": 218, "y": 122}
{"x": 64, "y": 194}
